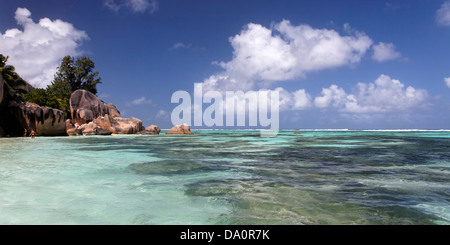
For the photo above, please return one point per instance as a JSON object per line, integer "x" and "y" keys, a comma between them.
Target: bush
{"x": 43, "y": 98}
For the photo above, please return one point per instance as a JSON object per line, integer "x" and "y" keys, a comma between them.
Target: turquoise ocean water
{"x": 228, "y": 177}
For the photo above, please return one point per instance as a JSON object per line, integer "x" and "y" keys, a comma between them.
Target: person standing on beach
{"x": 32, "y": 134}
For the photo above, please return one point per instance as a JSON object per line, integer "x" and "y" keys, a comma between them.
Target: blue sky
{"x": 337, "y": 64}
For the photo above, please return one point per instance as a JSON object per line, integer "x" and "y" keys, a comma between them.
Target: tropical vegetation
{"x": 71, "y": 75}
{"x": 12, "y": 80}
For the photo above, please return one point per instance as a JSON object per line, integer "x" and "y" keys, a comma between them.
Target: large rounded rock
{"x": 44, "y": 121}
{"x": 85, "y": 107}
{"x": 93, "y": 129}
{"x": 119, "y": 125}
{"x": 52, "y": 122}
{"x": 19, "y": 118}
{"x": 106, "y": 122}
{"x": 180, "y": 129}
{"x": 151, "y": 130}
{"x": 127, "y": 125}
{"x": 112, "y": 110}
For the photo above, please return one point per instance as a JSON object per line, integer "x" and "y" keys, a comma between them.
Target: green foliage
{"x": 76, "y": 74}
{"x": 12, "y": 80}
{"x": 73, "y": 75}
{"x": 43, "y": 98}
{"x": 3, "y": 61}
{"x": 61, "y": 90}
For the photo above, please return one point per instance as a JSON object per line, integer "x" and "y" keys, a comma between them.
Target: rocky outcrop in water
{"x": 85, "y": 107}
{"x": 44, "y": 121}
{"x": 19, "y": 118}
{"x": 128, "y": 125}
{"x": 91, "y": 116}
{"x": 151, "y": 130}
{"x": 180, "y": 129}
{"x": 93, "y": 129}
{"x": 72, "y": 130}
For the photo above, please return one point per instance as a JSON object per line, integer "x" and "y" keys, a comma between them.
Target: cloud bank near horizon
{"x": 263, "y": 57}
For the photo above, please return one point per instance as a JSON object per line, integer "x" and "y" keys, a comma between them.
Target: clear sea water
{"x": 228, "y": 177}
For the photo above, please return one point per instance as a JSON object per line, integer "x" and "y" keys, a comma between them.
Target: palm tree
{"x": 12, "y": 80}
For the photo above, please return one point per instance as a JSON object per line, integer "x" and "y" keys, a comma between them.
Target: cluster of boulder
{"x": 90, "y": 116}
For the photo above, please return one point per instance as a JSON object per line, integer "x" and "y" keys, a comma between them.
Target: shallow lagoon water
{"x": 228, "y": 177}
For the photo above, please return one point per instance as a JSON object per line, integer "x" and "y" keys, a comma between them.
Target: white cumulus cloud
{"x": 443, "y": 14}
{"x": 333, "y": 96}
{"x": 297, "y": 100}
{"x": 302, "y": 100}
{"x": 383, "y": 96}
{"x": 384, "y": 52}
{"x": 36, "y": 50}
{"x": 283, "y": 52}
{"x": 262, "y": 56}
